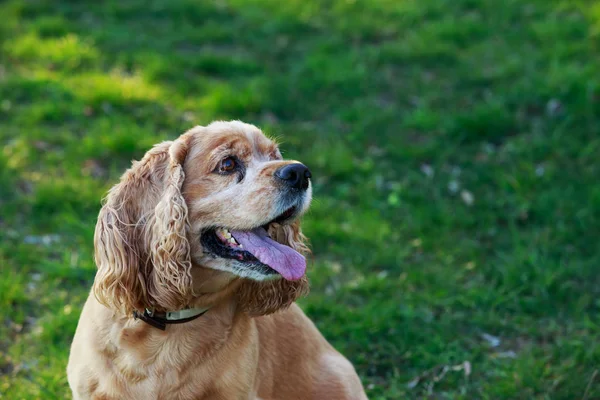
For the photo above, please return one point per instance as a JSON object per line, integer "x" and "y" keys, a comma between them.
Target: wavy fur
{"x": 141, "y": 248}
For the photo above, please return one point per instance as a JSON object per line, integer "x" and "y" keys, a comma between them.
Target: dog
{"x": 200, "y": 258}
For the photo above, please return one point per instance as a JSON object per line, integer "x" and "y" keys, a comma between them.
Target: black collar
{"x": 160, "y": 320}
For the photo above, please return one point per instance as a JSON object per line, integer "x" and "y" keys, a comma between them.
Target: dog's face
{"x": 219, "y": 198}
{"x": 238, "y": 190}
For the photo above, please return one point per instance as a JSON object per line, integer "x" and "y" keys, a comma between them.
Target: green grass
{"x": 455, "y": 147}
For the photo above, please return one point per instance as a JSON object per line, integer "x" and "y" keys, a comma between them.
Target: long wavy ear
{"x": 141, "y": 249}
{"x": 262, "y": 298}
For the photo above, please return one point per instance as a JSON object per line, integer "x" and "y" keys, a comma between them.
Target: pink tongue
{"x": 283, "y": 259}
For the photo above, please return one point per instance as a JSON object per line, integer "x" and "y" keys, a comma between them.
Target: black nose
{"x": 294, "y": 175}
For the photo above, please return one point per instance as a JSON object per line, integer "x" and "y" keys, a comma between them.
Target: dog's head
{"x": 213, "y": 212}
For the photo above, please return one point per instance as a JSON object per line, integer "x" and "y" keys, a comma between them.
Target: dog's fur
{"x": 149, "y": 255}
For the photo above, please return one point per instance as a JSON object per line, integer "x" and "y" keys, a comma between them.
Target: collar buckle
{"x": 148, "y": 317}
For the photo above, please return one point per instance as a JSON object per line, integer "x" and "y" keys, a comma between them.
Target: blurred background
{"x": 455, "y": 150}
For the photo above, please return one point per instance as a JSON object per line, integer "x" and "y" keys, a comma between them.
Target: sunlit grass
{"x": 66, "y": 52}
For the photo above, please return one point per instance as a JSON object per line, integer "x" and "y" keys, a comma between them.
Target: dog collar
{"x": 161, "y": 320}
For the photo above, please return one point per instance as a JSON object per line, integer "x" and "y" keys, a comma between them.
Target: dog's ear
{"x": 262, "y": 298}
{"x": 141, "y": 248}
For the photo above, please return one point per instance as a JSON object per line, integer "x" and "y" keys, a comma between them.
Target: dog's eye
{"x": 227, "y": 165}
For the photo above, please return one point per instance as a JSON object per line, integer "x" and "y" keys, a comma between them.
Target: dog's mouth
{"x": 256, "y": 250}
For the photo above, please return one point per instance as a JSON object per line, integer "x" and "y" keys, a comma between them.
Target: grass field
{"x": 455, "y": 146}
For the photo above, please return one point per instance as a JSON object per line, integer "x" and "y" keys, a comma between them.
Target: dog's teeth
{"x": 227, "y": 234}
{"x": 241, "y": 246}
{"x": 232, "y": 240}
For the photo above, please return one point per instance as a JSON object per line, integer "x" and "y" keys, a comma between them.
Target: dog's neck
{"x": 210, "y": 281}
{"x": 136, "y": 347}
{"x": 212, "y": 289}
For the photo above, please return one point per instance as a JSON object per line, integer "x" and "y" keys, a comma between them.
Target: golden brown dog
{"x": 197, "y": 247}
